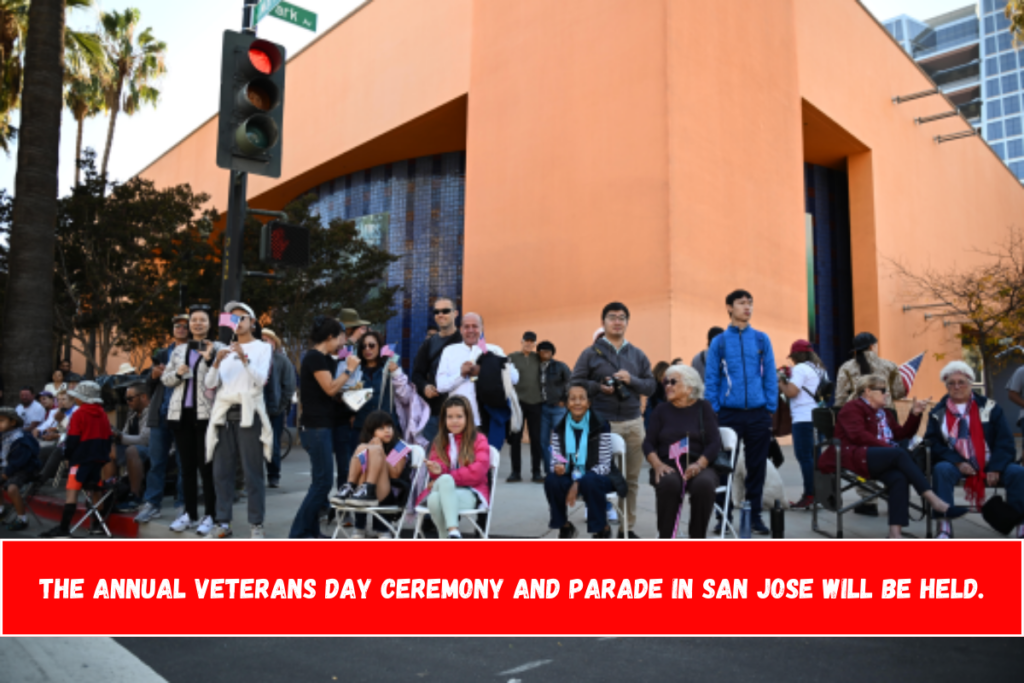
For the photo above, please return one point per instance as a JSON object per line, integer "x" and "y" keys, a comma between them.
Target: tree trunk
{"x": 28, "y": 313}
{"x": 78, "y": 152}
{"x": 90, "y": 355}
{"x": 110, "y": 132}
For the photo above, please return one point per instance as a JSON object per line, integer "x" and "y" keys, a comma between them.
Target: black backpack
{"x": 490, "y": 388}
{"x": 826, "y": 388}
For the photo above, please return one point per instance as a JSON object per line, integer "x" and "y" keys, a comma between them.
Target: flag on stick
{"x": 908, "y": 371}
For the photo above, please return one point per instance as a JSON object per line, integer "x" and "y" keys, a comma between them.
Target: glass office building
{"x": 969, "y": 54}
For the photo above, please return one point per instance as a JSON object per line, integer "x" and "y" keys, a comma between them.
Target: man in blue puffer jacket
{"x": 741, "y": 385}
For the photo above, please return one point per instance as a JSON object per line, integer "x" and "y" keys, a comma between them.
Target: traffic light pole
{"x": 231, "y": 285}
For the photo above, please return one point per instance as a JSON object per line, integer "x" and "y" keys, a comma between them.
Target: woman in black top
{"x": 684, "y": 415}
{"x": 317, "y": 387}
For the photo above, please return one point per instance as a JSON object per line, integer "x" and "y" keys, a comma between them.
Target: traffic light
{"x": 251, "y": 105}
{"x": 284, "y": 245}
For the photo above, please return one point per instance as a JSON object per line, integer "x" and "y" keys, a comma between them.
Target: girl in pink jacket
{"x": 458, "y": 464}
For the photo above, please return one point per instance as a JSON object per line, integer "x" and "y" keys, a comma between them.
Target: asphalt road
{"x": 795, "y": 660}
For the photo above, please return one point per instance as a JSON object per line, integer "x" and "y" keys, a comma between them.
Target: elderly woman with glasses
{"x": 869, "y": 434}
{"x": 972, "y": 441}
{"x": 681, "y": 443}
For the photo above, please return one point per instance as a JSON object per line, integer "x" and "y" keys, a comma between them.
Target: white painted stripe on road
{"x": 83, "y": 660}
{"x": 525, "y": 667}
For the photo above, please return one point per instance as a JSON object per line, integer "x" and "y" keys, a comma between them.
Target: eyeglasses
{"x": 181, "y": 325}
{"x": 442, "y": 311}
{"x": 670, "y": 382}
{"x": 617, "y": 318}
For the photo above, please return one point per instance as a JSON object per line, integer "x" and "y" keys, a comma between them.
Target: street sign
{"x": 263, "y": 8}
{"x": 295, "y": 15}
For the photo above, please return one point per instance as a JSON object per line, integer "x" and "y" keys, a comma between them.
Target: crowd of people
{"x": 223, "y": 406}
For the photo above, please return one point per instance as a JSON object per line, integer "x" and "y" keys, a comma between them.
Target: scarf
{"x": 7, "y": 441}
{"x": 969, "y": 442}
{"x": 577, "y": 452}
{"x": 884, "y": 431}
{"x": 453, "y": 451}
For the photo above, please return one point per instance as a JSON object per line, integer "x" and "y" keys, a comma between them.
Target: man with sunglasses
{"x": 424, "y": 367}
{"x": 132, "y": 445}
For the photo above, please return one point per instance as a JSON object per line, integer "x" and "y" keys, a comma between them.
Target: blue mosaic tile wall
{"x": 425, "y": 199}
{"x": 828, "y": 201}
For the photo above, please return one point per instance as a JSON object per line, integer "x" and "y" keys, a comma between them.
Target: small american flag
{"x": 482, "y": 345}
{"x": 556, "y": 456}
{"x": 228, "y": 320}
{"x": 344, "y": 352}
{"x": 400, "y": 451}
{"x": 679, "y": 449}
{"x": 388, "y": 351}
{"x": 908, "y": 371}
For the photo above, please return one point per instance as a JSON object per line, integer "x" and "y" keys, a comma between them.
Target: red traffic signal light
{"x": 284, "y": 245}
{"x": 251, "y": 105}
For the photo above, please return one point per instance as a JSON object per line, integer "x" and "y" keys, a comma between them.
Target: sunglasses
{"x": 881, "y": 390}
{"x": 442, "y": 311}
{"x": 670, "y": 382}
{"x": 369, "y": 346}
{"x": 182, "y": 325}
{"x": 198, "y": 307}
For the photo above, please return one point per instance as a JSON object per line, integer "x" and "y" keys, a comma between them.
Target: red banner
{"x": 512, "y": 587}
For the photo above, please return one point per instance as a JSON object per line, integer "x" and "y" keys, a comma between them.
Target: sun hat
{"x": 350, "y": 318}
{"x": 126, "y": 369}
{"x": 87, "y": 392}
{"x": 12, "y": 414}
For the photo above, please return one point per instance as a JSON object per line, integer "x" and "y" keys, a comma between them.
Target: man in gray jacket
{"x": 617, "y": 374}
{"x": 278, "y": 397}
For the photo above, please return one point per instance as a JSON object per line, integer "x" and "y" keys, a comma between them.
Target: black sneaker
{"x": 538, "y": 478}
{"x": 97, "y": 530}
{"x": 632, "y": 534}
{"x": 273, "y": 483}
{"x": 343, "y": 494}
{"x": 866, "y": 509}
{"x": 364, "y": 497}
{"x": 17, "y": 525}
{"x": 567, "y": 531}
{"x": 56, "y": 532}
{"x": 513, "y": 478}
{"x": 757, "y": 527}
{"x": 604, "y": 533}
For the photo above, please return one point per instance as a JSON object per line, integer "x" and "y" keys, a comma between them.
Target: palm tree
{"x": 84, "y": 98}
{"x": 134, "y": 66}
{"x": 27, "y": 333}
{"x": 82, "y": 52}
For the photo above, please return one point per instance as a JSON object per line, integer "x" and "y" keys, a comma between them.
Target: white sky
{"x": 190, "y": 91}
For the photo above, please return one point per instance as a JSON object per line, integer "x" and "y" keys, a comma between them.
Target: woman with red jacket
{"x": 869, "y": 434}
{"x": 458, "y": 464}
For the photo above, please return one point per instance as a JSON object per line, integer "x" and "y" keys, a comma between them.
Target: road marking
{"x": 85, "y": 660}
{"x": 525, "y": 667}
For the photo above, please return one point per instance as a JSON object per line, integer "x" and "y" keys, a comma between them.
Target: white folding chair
{"x": 731, "y": 443}
{"x": 473, "y": 514}
{"x": 382, "y": 513}
{"x": 621, "y": 505}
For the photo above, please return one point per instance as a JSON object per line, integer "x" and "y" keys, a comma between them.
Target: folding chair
{"x": 829, "y": 488}
{"x": 391, "y": 516}
{"x": 731, "y": 443}
{"x": 929, "y": 516}
{"x": 106, "y": 489}
{"x": 621, "y": 505}
{"x": 473, "y": 514}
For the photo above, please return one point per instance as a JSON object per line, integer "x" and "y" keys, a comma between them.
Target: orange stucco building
{"x": 659, "y": 153}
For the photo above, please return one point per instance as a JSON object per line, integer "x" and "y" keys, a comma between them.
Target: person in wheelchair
{"x": 972, "y": 441}
{"x": 868, "y": 434}
{"x": 19, "y": 462}
{"x": 87, "y": 449}
{"x": 684, "y": 417}
{"x": 581, "y": 460}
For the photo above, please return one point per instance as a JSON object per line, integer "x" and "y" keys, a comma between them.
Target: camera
{"x": 621, "y": 391}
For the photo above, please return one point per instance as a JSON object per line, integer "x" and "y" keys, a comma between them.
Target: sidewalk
{"x": 520, "y": 510}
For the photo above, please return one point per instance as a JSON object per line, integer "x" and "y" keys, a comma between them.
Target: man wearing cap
{"x": 428, "y": 358}
{"x": 866, "y": 362}
{"x": 239, "y": 426}
{"x": 19, "y": 462}
{"x": 527, "y": 362}
{"x": 29, "y": 409}
{"x": 87, "y": 449}
{"x": 277, "y": 396}
{"x": 554, "y": 390}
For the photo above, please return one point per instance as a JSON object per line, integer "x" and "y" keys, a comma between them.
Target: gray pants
{"x": 235, "y": 444}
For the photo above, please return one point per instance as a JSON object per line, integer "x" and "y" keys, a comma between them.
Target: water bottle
{"x": 745, "y": 520}
{"x": 778, "y": 520}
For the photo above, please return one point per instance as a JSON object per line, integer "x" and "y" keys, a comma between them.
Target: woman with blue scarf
{"x": 581, "y": 458}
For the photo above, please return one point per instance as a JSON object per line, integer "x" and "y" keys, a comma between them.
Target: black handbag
{"x": 618, "y": 481}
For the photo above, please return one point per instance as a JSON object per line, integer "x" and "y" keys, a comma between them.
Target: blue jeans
{"x": 592, "y": 489}
{"x": 274, "y": 466}
{"x": 945, "y": 476}
{"x": 343, "y": 440}
{"x": 803, "y": 447}
{"x": 159, "y": 450}
{"x": 317, "y": 443}
{"x": 550, "y": 416}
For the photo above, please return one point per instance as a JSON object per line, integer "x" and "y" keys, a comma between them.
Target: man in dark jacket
{"x": 424, "y": 367}
{"x": 277, "y": 396}
{"x": 617, "y": 374}
{"x": 160, "y": 435}
{"x": 528, "y": 390}
{"x": 554, "y": 388}
{"x": 19, "y": 463}
{"x": 741, "y": 385}
{"x": 953, "y": 432}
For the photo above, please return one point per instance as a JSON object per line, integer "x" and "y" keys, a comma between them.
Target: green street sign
{"x": 295, "y": 15}
{"x": 263, "y": 8}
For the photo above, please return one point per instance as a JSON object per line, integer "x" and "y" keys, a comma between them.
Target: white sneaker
{"x": 146, "y": 513}
{"x": 1020, "y": 532}
{"x": 205, "y": 526}
{"x": 385, "y": 534}
{"x": 182, "y": 523}
{"x": 358, "y": 533}
{"x": 613, "y": 516}
{"x": 220, "y": 531}
{"x": 256, "y": 531}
